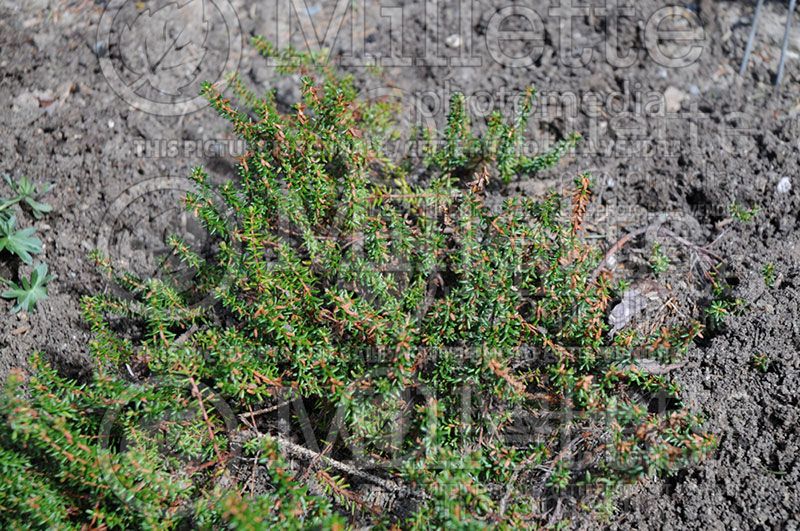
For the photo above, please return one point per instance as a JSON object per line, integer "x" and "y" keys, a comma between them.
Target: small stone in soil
{"x": 453, "y": 41}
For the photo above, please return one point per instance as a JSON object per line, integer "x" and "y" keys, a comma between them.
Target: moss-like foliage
{"x": 364, "y": 347}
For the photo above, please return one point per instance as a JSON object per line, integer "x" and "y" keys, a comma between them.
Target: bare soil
{"x": 707, "y": 139}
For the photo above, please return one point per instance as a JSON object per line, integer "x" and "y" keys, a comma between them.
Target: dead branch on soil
{"x": 658, "y": 230}
{"x": 302, "y": 452}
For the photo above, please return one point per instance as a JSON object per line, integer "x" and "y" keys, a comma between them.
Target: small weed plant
{"x": 18, "y": 244}
{"x": 659, "y": 261}
{"x": 761, "y": 362}
{"x": 743, "y": 214}
{"x": 723, "y": 304}
{"x": 385, "y": 346}
{"x": 768, "y": 274}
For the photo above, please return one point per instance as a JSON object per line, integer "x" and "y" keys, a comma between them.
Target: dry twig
{"x": 656, "y": 227}
{"x": 304, "y": 453}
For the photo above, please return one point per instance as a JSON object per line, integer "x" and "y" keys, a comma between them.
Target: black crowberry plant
{"x": 387, "y": 350}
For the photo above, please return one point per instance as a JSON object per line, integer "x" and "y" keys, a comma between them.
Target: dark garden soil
{"x": 661, "y": 139}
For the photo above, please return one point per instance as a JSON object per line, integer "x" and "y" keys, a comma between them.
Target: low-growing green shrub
{"x": 385, "y": 345}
